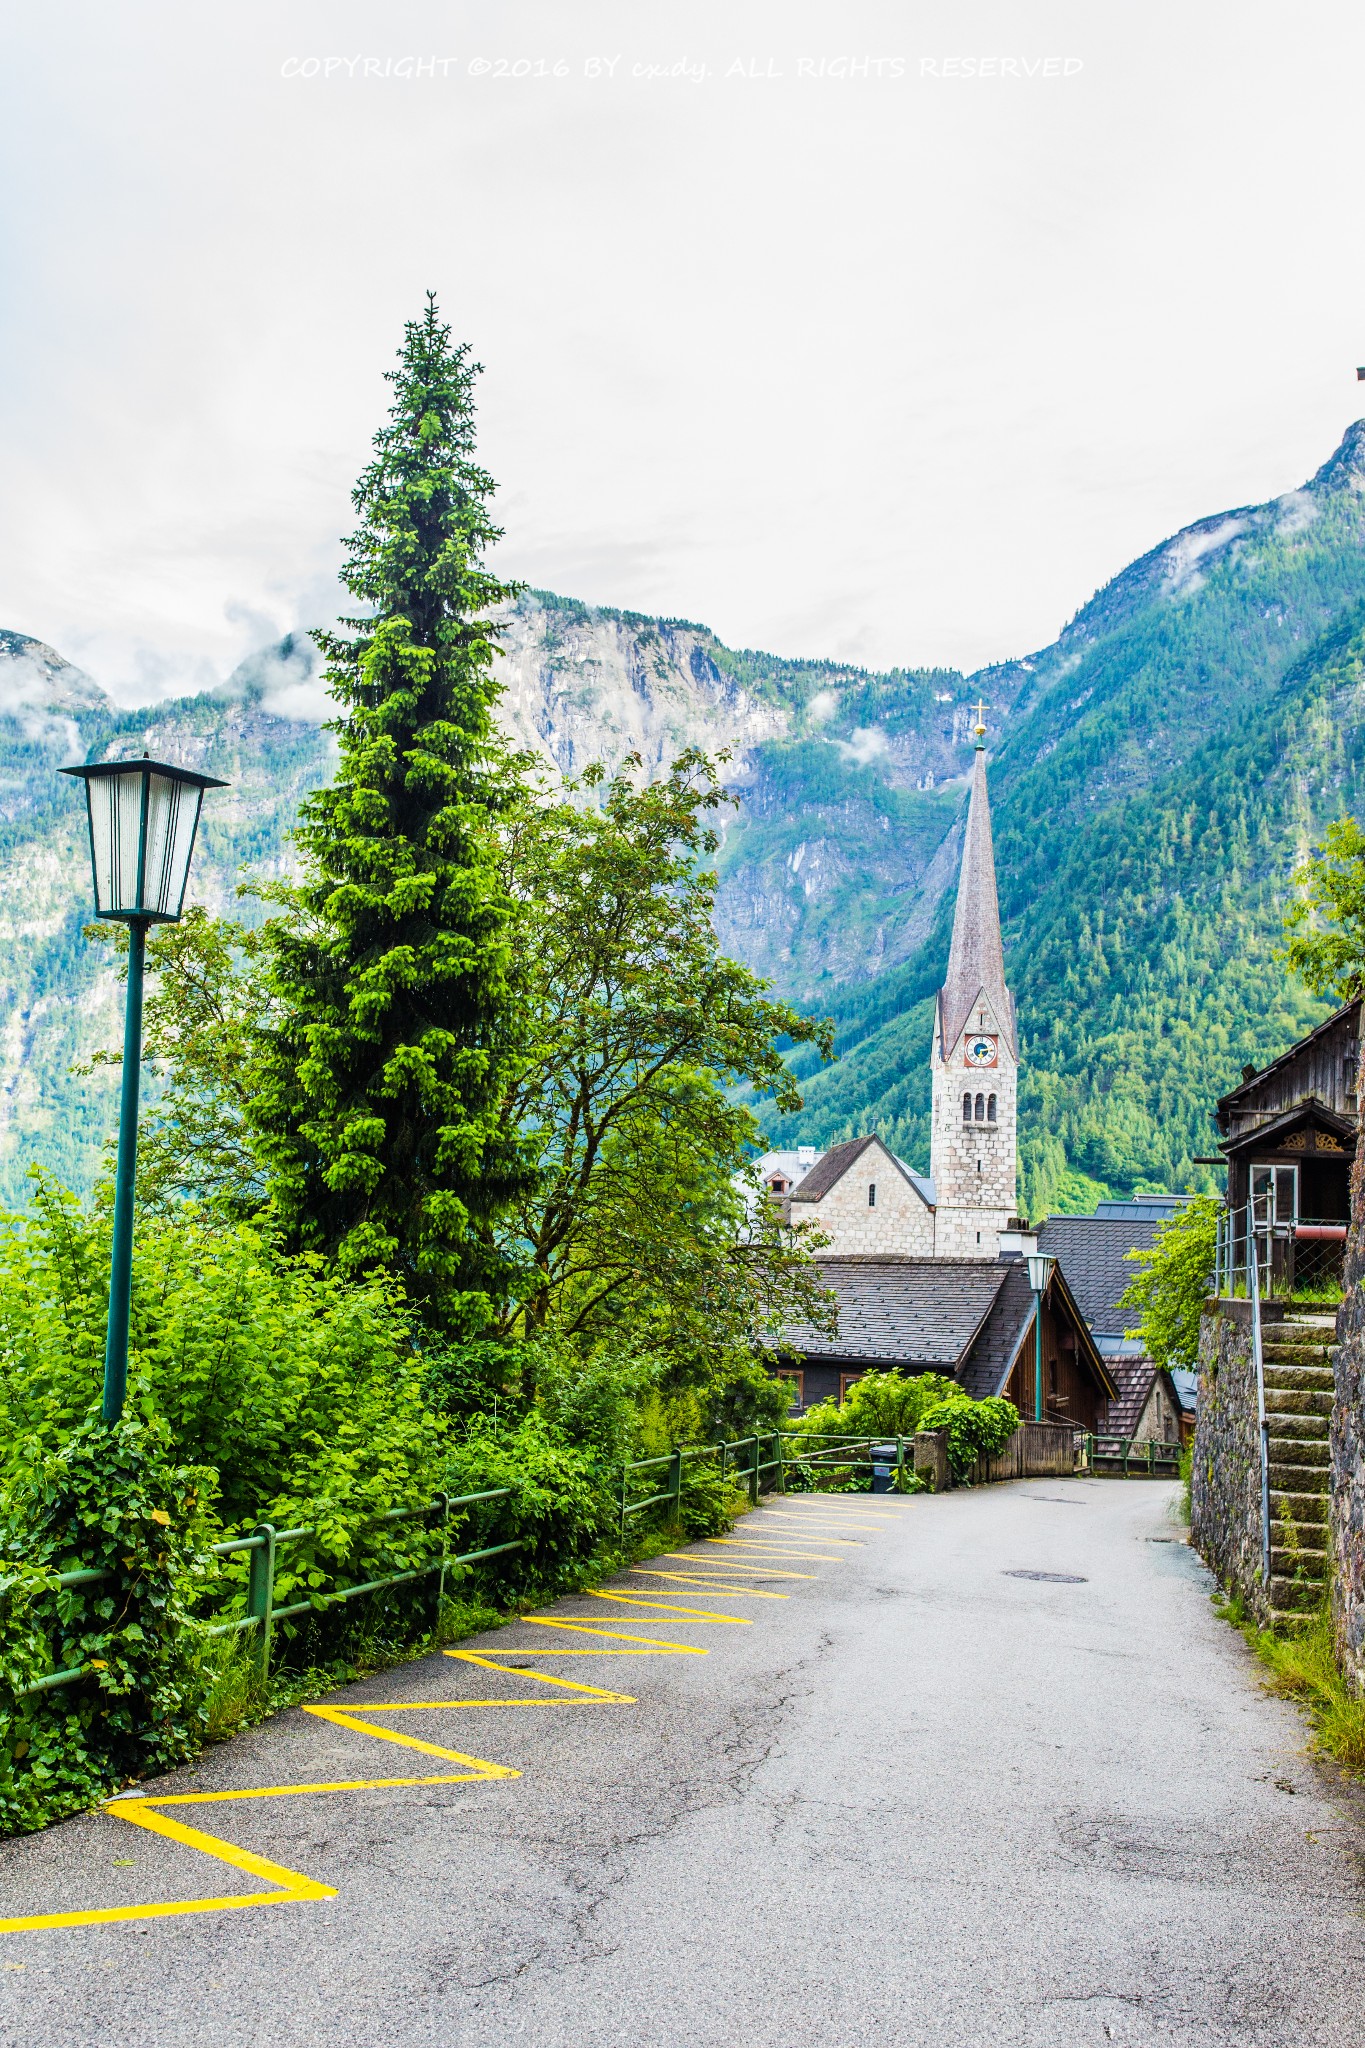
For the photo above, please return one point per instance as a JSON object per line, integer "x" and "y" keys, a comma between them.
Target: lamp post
{"x": 1040, "y": 1265}
{"x": 143, "y": 817}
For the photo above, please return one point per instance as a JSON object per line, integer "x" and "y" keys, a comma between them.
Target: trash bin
{"x": 883, "y": 1466}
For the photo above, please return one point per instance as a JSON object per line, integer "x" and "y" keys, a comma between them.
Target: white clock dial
{"x": 981, "y": 1052}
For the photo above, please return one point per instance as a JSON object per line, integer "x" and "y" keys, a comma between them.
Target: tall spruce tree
{"x": 379, "y": 1107}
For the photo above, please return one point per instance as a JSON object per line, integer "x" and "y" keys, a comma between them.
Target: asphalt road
{"x": 915, "y": 1800}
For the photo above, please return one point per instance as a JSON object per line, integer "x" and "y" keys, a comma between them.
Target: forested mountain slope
{"x": 1155, "y": 774}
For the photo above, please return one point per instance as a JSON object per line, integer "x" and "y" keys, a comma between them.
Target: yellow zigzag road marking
{"x": 732, "y": 1564}
{"x": 675, "y": 1610}
{"x": 617, "y": 1635}
{"x": 767, "y": 1550}
{"x": 695, "y": 1579}
{"x": 813, "y": 1521}
{"x": 293, "y": 1886}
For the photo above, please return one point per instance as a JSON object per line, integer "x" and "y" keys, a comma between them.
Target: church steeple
{"x": 975, "y": 1055}
{"x": 976, "y": 959}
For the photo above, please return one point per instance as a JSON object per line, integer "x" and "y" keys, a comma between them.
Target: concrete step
{"x": 1311, "y": 1452}
{"x": 1315, "y": 1482}
{"x": 1287, "y": 1562}
{"x": 1295, "y": 1351}
{"x": 1303, "y": 1509}
{"x": 1309, "y": 1428}
{"x": 1287, "y": 1621}
{"x": 1309, "y": 1379}
{"x": 1299, "y": 1402}
{"x": 1289, "y": 1596}
{"x": 1308, "y": 1319}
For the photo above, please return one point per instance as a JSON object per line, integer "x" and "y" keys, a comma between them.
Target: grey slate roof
{"x": 1090, "y": 1250}
{"x": 1135, "y": 1379}
{"x": 964, "y": 1317}
{"x": 976, "y": 958}
{"x": 895, "y": 1310}
{"x": 995, "y": 1350}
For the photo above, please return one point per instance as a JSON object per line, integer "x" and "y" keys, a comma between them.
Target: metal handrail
{"x": 1254, "y": 1290}
{"x": 262, "y": 1612}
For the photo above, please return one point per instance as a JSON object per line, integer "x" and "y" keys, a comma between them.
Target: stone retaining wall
{"x": 1225, "y": 1490}
{"x": 1346, "y": 1518}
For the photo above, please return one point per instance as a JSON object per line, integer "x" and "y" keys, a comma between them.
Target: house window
{"x": 966, "y": 1109}
{"x": 872, "y": 1194}
{"x": 990, "y": 1110}
{"x": 847, "y": 1380}
{"x": 1275, "y": 1195}
{"x": 796, "y": 1383}
{"x": 981, "y": 1109}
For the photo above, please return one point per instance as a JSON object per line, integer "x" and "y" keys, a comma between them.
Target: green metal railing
{"x": 264, "y": 1545}
{"x": 743, "y": 1458}
{"x": 748, "y": 1459}
{"x": 1143, "y": 1457}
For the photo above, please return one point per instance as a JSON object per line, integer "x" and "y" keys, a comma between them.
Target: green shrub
{"x": 976, "y": 1429}
{"x": 113, "y": 1501}
{"x": 880, "y": 1404}
{"x": 561, "y": 1505}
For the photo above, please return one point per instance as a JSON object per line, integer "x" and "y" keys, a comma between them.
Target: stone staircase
{"x": 1297, "y": 1358}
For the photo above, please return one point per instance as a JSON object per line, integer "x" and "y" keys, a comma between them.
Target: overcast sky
{"x": 884, "y": 332}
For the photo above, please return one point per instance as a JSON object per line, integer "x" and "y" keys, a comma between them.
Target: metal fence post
{"x": 260, "y": 1593}
{"x": 675, "y": 1482}
{"x": 781, "y": 1462}
{"x": 444, "y": 1499}
{"x": 753, "y": 1473}
{"x": 625, "y": 1481}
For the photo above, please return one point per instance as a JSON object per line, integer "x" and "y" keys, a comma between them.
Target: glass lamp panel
{"x": 115, "y": 815}
{"x": 172, "y": 813}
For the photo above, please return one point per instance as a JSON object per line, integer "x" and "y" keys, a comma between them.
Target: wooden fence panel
{"x": 1037, "y": 1450}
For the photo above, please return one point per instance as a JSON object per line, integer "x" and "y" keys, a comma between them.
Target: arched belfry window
{"x": 966, "y": 1109}
{"x": 981, "y": 1109}
{"x": 990, "y": 1110}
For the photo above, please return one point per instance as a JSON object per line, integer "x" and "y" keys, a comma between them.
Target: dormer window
{"x": 872, "y": 1194}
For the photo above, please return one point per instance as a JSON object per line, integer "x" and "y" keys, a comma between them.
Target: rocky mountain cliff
{"x": 1155, "y": 773}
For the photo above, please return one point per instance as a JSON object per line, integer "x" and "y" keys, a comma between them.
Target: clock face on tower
{"x": 981, "y": 1052}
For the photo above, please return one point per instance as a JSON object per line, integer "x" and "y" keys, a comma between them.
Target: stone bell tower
{"x": 975, "y": 1056}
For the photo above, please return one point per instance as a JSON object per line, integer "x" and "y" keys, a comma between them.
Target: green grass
{"x": 1302, "y": 1666}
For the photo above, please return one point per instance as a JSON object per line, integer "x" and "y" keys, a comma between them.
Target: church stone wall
{"x": 899, "y": 1221}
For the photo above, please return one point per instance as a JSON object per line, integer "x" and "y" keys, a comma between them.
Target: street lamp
{"x": 143, "y": 816}
{"x": 1040, "y": 1265}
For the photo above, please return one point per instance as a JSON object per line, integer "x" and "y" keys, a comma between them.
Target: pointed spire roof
{"x": 976, "y": 961}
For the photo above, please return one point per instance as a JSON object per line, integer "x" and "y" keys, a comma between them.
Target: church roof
{"x": 830, "y": 1170}
{"x": 976, "y": 959}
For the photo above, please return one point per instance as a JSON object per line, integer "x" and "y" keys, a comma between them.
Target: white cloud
{"x": 863, "y": 368}
{"x": 863, "y": 744}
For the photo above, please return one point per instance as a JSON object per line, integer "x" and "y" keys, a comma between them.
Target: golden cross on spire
{"x": 980, "y": 716}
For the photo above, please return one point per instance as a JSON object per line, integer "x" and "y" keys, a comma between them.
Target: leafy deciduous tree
{"x": 1173, "y": 1282}
{"x": 639, "y": 1025}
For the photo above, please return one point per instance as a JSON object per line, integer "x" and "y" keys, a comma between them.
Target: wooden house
{"x": 1288, "y": 1133}
{"x": 969, "y": 1319}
